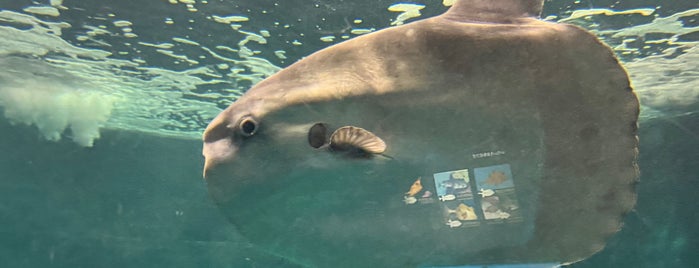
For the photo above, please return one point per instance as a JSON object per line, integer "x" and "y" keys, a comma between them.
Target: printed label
{"x": 497, "y": 192}
{"x": 417, "y": 194}
{"x": 456, "y": 193}
{"x": 488, "y": 198}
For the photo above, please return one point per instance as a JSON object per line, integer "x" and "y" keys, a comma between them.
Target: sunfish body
{"x": 312, "y": 164}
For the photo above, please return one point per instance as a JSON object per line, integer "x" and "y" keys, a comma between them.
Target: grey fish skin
{"x": 486, "y": 75}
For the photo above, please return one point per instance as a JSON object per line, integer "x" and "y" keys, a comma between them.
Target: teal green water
{"x": 139, "y": 81}
{"x": 138, "y": 201}
{"x": 133, "y": 201}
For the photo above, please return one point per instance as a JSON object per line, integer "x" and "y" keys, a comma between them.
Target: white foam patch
{"x": 57, "y": 3}
{"x": 327, "y": 38}
{"x": 360, "y": 31}
{"x": 53, "y": 100}
{"x": 578, "y": 14}
{"x": 43, "y": 10}
{"x": 667, "y": 83}
{"x": 281, "y": 54}
{"x": 69, "y": 91}
{"x": 161, "y": 45}
{"x": 83, "y": 90}
{"x": 122, "y": 23}
{"x": 43, "y": 37}
{"x": 407, "y": 11}
{"x": 171, "y": 54}
{"x": 230, "y": 19}
{"x": 668, "y": 25}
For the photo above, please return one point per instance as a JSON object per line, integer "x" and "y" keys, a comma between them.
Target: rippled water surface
{"x": 167, "y": 67}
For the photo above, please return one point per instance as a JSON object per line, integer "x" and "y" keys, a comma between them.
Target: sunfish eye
{"x": 247, "y": 126}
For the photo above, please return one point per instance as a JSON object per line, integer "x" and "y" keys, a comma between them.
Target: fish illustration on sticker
{"x": 496, "y": 178}
{"x": 453, "y": 223}
{"x": 461, "y": 175}
{"x": 415, "y": 188}
{"x": 486, "y": 192}
{"x": 493, "y": 209}
{"x": 452, "y": 183}
{"x": 463, "y": 212}
{"x": 448, "y": 197}
{"x": 409, "y": 200}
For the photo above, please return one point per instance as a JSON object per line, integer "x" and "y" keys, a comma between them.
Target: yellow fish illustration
{"x": 415, "y": 188}
{"x": 496, "y": 178}
{"x": 465, "y": 213}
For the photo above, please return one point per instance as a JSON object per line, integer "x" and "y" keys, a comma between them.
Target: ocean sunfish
{"x": 312, "y": 163}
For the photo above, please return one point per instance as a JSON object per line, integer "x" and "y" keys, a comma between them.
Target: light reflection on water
{"x": 168, "y": 67}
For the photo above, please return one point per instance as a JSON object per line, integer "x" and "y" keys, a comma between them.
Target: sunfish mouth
{"x": 216, "y": 153}
{"x": 219, "y": 144}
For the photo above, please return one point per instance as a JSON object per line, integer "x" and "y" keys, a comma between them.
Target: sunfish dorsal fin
{"x": 356, "y": 141}
{"x": 493, "y": 10}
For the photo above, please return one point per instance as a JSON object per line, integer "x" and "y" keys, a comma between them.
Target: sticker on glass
{"x": 497, "y": 193}
{"x": 417, "y": 194}
{"x": 452, "y": 185}
{"x": 454, "y": 189}
{"x": 460, "y": 213}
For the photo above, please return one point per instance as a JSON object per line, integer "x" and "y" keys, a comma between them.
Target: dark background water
{"x": 139, "y": 201}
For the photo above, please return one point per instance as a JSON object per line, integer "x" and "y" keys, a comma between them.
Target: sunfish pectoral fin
{"x": 356, "y": 142}
{"x": 387, "y": 156}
